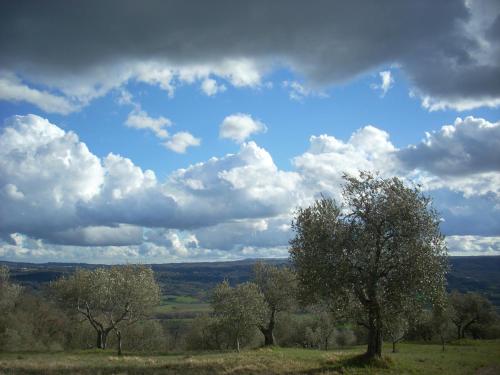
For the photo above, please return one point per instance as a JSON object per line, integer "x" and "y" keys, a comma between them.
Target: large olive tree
{"x": 376, "y": 255}
{"x": 109, "y": 298}
{"x": 278, "y": 286}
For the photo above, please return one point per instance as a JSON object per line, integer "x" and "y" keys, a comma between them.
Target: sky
{"x": 180, "y": 131}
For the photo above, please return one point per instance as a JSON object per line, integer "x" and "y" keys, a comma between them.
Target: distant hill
{"x": 478, "y": 273}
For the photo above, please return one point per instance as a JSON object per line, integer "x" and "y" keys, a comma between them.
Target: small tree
{"x": 240, "y": 309}
{"x": 397, "y": 323}
{"x": 441, "y": 323}
{"x": 325, "y": 328}
{"x": 396, "y": 328}
{"x": 9, "y": 292}
{"x": 109, "y": 298}
{"x": 278, "y": 286}
{"x": 468, "y": 309}
{"x": 9, "y": 295}
{"x": 207, "y": 333}
{"x": 381, "y": 252}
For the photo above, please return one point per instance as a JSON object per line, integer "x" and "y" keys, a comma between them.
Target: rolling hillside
{"x": 479, "y": 274}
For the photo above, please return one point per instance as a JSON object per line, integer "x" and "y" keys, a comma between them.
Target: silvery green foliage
{"x": 239, "y": 310}
{"x": 442, "y": 324}
{"x": 9, "y": 292}
{"x": 378, "y": 254}
{"x": 396, "y": 328}
{"x": 468, "y": 309}
{"x": 278, "y": 285}
{"x": 109, "y": 297}
{"x": 324, "y": 330}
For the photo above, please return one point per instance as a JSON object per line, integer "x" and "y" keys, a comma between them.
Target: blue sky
{"x": 156, "y": 148}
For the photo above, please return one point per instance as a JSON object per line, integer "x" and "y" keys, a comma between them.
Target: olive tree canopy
{"x": 109, "y": 297}
{"x": 278, "y": 286}
{"x": 468, "y": 309}
{"x": 239, "y": 310}
{"x": 376, "y": 255}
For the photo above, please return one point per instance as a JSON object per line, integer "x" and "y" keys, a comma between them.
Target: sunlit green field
{"x": 181, "y": 304}
{"x": 481, "y": 357}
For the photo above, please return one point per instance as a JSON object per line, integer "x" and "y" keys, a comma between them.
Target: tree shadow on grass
{"x": 339, "y": 365}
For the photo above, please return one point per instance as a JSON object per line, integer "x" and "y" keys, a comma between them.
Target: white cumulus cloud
{"x": 180, "y": 142}
{"x": 473, "y": 245}
{"x": 60, "y": 201}
{"x": 139, "y": 119}
{"x": 298, "y": 91}
{"x": 210, "y": 87}
{"x": 322, "y": 166}
{"x": 47, "y": 171}
{"x": 239, "y": 126}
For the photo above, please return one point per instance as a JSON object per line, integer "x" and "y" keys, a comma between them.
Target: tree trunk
{"x": 269, "y": 331}
{"x": 101, "y": 339}
{"x": 374, "y": 349}
{"x": 394, "y": 347}
{"x": 374, "y": 343}
{"x": 104, "y": 339}
{"x": 218, "y": 344}
{"x": 466, "y": 327}
{"x": 268, "y": 336}
{"x": 442, "y": 342}
{"x": 119, "y": 336}
{"x": 98, "y": 343}
{"x": 238, "y": 344}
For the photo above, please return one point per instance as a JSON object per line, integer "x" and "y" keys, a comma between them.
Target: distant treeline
{"x": 467, "y": 274}
{"x": 73, "y": 313}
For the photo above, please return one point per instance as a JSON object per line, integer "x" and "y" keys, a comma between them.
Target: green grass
{"x": 179, "y": 299}
{"x": 481, "y": 358}
{"x": 182, "y": 308}
{"x": 181, "y": 304}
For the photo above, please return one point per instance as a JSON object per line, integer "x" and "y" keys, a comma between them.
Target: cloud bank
{"x": 58, "y": 198}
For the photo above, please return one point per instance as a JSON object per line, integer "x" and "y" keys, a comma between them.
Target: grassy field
{"x": 482, "y": 358}
{"x": 181, "y": 305}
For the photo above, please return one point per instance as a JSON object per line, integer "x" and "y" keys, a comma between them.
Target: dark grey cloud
{"x": 119, "y": 235}
{"x": 470, "y": 146}
{"x": 477, "y": 215}
{"x": 328, "y": 41}
{"x": 494, "y": 31}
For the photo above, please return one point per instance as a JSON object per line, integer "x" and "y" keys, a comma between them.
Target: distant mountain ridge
{"x": 474, "y": 273}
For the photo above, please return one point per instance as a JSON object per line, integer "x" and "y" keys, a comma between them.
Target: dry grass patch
{"x": 479, "y": 357}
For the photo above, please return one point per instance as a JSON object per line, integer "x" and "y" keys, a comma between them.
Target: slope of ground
{"x": 478, "y": 274}
{"x": 480, "y": 357}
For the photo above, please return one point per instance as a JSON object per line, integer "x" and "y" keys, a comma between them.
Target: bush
{"x": 33, "y": 325}
{"x": 345, "y": 337}
{"x": 144, "y": 336}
